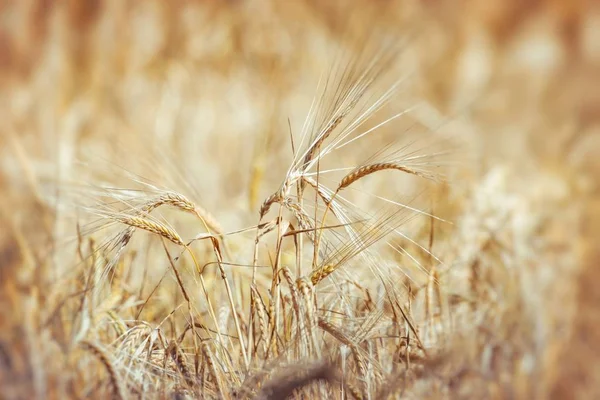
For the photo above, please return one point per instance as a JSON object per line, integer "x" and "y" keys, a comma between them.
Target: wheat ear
{"x": 179, "y": 359}
{"x": 212, "y": 369}
{"x": 369, "y": 169}
{"x": 261, "y": 313}
{"x": 118, "y": 390}
{"x": 148, "y": 225}
{"x": 181, "y": 202}
{"x": 344, "y": 339}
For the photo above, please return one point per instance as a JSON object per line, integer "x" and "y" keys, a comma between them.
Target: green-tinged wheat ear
{"x": 321, "y": 273}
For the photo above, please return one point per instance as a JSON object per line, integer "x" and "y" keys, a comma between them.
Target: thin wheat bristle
{"x": 352, "y": 86}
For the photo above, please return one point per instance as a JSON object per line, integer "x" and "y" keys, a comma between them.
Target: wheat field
{"x": 266, "y": 199}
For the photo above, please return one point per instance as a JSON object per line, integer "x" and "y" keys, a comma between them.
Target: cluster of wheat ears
{"x": 291, "y": 321}
{"x": 357, "y": 252}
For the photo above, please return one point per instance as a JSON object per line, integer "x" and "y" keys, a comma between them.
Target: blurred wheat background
{"x": 506, "y": 304}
